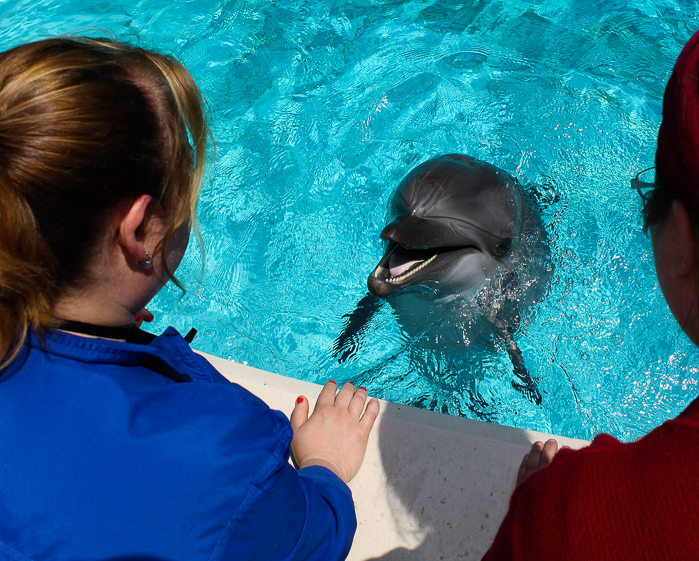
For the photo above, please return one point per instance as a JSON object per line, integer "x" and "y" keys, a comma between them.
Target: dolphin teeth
{"x": 380, "y": 267}
{"x": 411, "y": 272}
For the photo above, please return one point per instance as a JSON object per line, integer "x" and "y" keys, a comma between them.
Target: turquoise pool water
{"x": 320, "y": 108}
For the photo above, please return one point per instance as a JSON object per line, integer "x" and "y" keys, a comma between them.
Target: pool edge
{"x": 431, "y": 485}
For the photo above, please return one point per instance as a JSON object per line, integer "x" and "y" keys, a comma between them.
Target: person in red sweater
{"x": 638, "y": 500}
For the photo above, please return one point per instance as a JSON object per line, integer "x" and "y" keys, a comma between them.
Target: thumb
{"x": 300, "y": 413}
{"x": 146, "y": 315}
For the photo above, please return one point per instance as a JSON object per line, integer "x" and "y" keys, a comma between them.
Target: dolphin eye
{"x": 502, "y": 247}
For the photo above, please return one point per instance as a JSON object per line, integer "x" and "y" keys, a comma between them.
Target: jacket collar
{"x": 168, "y": 353}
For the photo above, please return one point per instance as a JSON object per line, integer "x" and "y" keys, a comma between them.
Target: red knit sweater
{"x": 611, "y": 501}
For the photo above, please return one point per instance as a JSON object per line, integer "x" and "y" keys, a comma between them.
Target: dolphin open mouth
{"x": 401, "y": 265}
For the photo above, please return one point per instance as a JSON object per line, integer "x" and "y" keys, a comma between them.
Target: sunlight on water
{"x": 319, "y": 109}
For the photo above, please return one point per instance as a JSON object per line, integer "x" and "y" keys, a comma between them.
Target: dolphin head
{"x": 452, "y": 221}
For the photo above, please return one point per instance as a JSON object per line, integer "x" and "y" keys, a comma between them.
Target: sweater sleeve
{"x": 301, "y": 515}
{"x": 305, "y": 514}
{"x": 529, "y": 508}
{"x": 609, "y": 501}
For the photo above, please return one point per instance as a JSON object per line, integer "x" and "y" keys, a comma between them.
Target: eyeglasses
{"x": 644, "y": 183}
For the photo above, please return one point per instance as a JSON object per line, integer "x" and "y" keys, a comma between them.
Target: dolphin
{"x": 465, "y": 254}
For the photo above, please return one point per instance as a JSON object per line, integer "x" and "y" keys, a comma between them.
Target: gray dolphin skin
{"x": 465, "y": 253}
{"x": 454, "y": 218}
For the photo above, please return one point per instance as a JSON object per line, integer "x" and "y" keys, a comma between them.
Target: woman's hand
{"x": 540, "y": 456}
{"x": 337, "y": 432}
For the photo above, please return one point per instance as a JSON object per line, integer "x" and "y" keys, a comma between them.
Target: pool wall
{"x": 432, "y": 486}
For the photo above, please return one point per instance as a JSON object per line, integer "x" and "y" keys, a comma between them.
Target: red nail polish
{"x": 299, "y": 400}
{"x": 137, "y": 317}
{"x": 332, "y": 382}
{"x": 363, "y": 388}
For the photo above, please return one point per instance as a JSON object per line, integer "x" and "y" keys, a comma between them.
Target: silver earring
{"x": 147, "y": 263}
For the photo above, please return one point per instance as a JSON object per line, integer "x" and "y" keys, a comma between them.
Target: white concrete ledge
{"x": 432, "y": 486}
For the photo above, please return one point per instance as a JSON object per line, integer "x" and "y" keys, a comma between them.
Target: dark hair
{"x": 659, "y": 202}
{"x": 86, "y": 126}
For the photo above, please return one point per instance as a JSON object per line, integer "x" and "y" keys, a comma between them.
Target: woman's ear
{"x": 134, "y": 229}
{"x": 685, "y": 262}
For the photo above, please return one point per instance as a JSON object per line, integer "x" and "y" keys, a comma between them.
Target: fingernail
{"x": 332, "y": 382}
{"x": 363, "y": 388}
{"x": 137, "y": 317}
{"x": 299, "y": 400}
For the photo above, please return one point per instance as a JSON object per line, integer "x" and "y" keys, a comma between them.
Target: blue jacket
{"x": 114, "y": 450}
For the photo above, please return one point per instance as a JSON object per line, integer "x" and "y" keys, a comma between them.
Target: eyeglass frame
{"x": 637, "y": 184}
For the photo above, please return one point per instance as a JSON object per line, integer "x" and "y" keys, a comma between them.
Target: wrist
{"x": 326, "y": 464}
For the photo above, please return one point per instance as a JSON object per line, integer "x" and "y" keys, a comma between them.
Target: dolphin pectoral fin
{"x": 349, "y": 341}
{"x": 526, "y": 384}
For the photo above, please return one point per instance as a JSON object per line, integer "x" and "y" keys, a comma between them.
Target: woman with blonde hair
{"x": 115, "y": 443}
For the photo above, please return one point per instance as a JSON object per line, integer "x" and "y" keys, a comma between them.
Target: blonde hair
{"x": 86, "y": 125}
